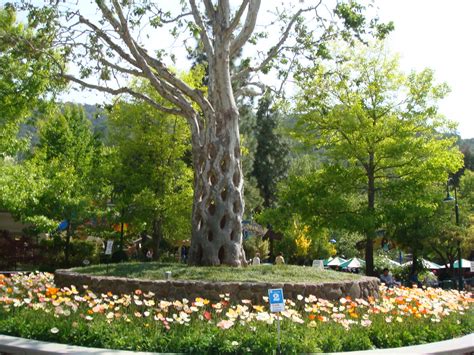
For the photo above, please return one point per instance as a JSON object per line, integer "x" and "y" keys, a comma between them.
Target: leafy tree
{"x": 347, "y": 243}
{"x": 380, "y": 132}
{"x": 25, "y": 76}
{"x": 271, "y": 153}
{"x": 467, "y": 148}
{"x": 113, "y": 47}
{"x": 292, "y": 218}
{"x": 448, "y": 233}
{"x": 150, "y": 175}
{"x": 256, "y": 244}
{"x": 56, "y": 178}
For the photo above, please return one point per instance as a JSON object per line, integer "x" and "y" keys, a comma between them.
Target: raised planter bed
{"x": 178, "y": 289}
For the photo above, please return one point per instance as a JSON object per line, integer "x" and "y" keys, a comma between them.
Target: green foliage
{"x": 346, "y": 243}
{"x": 467, "y": 148}
{"x": 25, "y": 76}
{"x": 271, "y": 162}
{"x": 381, "y": 137}
{"x": 254, "y": 245}
{"x": 54, "y": 180}
{"x": 252, "y": 196}
{"x": 149, "y": 170}
{"x": 52, "y": 252}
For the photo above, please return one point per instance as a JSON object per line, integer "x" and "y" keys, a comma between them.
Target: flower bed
{"x": 32, "y": 307}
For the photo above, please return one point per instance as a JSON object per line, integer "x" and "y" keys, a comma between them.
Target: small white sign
{"x": 277, "y": 302}
{"x": 318, "y": 264}
{"x": 108, "y": 248}
{"x": 472, "y": 266}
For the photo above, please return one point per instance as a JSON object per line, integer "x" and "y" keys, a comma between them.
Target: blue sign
{"x": 277, "y": 302}
{"x": 63, "y": 225}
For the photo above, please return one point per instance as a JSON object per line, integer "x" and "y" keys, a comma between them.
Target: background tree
{"x": 447, "y": 232}
{"x": 379, "y": 129}
{"x": 151, "y": 176}
{"x": 56, "y": 178}
{"x": 113, "y": 48}
{"x": 25, "y": 76}
{"x": 271, "y": 154}
{"x": 297, "y": 215}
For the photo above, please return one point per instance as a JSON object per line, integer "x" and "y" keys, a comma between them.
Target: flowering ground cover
{"x": 265, "y": 273}
{"x": 32, "y": 307}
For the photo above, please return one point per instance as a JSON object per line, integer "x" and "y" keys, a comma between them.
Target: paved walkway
{"x": 13, "y": 345}
{"x": 463, "y": 345}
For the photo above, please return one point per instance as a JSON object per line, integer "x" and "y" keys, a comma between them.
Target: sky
{"x": 432, "y": 34}
{"x": 437, "y": 34}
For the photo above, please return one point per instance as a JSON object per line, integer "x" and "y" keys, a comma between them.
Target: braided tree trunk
{"x": 218, "y": 195}
{"x": 218, "y": 187}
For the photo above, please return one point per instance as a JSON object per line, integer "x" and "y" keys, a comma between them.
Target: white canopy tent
{"x": 337, "y": 261}
{"x": 465, "y": 264}
{"x": 426, "y": 263}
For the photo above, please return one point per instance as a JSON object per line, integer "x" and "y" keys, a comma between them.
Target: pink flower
{"x": 225, "y": 324}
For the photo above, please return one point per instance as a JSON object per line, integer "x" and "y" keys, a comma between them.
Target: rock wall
{"x": 178, "y": 289}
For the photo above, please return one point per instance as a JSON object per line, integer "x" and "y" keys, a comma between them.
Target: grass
{"x": 261, "y": 273}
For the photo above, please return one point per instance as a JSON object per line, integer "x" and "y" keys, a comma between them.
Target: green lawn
{"x": 263, "y": 273}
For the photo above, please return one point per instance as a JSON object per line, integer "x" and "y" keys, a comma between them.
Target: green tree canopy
{"x": 150, "y": 173}
{"x": 271, "y": 155}
{"x": 55, "y": 180}
{"x": 25, "y": 75}
{"x": 379, "y": 132}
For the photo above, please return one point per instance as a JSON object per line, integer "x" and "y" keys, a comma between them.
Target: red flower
{"x": 207, "y": 315}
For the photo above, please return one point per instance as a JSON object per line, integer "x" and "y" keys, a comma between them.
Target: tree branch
{"x": 245, "y": 89}
{"x": 124, "y": 90}
{"x": 108, "y": 40}
{"x": 161, "y": 86}
{"x": 211, "y": 12}
{"x": 121, "y": 69}
{"x": 247, "y": 28}
{"x": 238, "y": 15}
{"x": 202, "y": 33}
{"x": 275, "y": 49}
{"x": 174, "y": 19}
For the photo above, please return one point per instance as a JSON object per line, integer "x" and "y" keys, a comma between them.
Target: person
{"x": 388, "y": 279}
{"x": 149, "y": 254}
{"x": 279, "y": 260}
{"x": 256, "y": 259}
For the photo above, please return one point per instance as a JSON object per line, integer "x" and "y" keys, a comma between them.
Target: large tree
{"x": 380, "y": 131}
{"x": 113, "y": 45}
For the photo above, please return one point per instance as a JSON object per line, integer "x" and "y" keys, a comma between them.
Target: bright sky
{"x": 428, "y": 33}
{"x": 437, "y": 34}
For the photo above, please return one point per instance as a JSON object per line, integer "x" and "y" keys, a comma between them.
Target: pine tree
{"x": 271, "y": 156}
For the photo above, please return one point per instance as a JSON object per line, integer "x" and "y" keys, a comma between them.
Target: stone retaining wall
{"x": 178, "y": 289}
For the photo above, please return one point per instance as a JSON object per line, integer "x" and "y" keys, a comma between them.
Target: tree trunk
{"x": 369, "y": 246}
{"x": 218, "y": 195}
{"x": 369, "y": 256}
{"x": 414, "y": 261}
{"x": 157, "y": 236}
{"x": 67, "y": 248}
